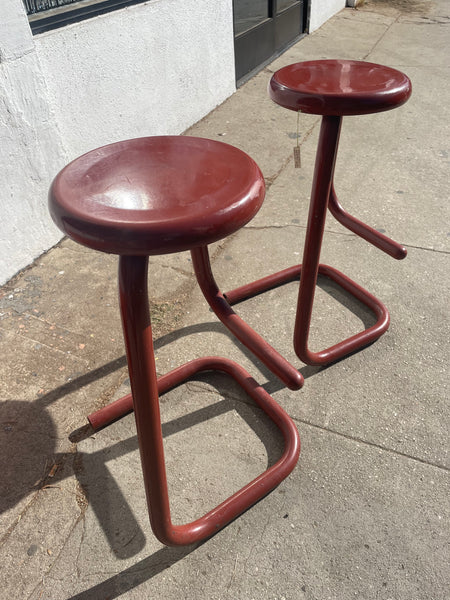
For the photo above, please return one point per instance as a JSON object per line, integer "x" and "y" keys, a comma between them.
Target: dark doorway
{"x": 263, "y": 28}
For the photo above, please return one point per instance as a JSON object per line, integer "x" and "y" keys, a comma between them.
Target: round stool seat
{"x": 156, "y": 195}
{"x": 339, "y": 87}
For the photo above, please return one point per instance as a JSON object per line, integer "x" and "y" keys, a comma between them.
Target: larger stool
{"x": 332, "y": 89}
{"x": 152, "y": 196}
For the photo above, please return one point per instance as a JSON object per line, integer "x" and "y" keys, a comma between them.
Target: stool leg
{"x": 144, "y": 392}
{"x": 141, "y": 365}
{"x": 322, "y": 189}
{"x": 323, "y": 177}
{"x": 288, "y": 374}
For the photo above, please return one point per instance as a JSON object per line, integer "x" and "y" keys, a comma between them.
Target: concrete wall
{"x": 31, "y": 150}
{"x": 149, "y": 69}
{"x": 322, "y": 10}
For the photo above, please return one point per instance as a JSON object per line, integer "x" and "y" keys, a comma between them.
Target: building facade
{"x": 150, "y": 68}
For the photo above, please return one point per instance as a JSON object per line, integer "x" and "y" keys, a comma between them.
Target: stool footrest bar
{"x": 371, "y": 235}
{"x": 351, "y": 344}
{"x": 255, "y": 490}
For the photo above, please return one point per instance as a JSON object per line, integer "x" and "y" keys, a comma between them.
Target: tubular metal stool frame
{"x": 133, "y": 199}
{"x": 332, "y": 89}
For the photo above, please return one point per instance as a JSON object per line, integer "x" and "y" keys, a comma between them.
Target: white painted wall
{"x": 322, "y": 10}
{"x": 153, "y": 68}
{"x": 31, "y": 151}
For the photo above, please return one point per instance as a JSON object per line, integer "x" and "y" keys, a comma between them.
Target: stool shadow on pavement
{"x": 27, "y": 439}
{"x": 137, "y": 574}
{"x": 124, "y": 534}
{"x": 27, "y": 434}
{"x": 27, "y": 449}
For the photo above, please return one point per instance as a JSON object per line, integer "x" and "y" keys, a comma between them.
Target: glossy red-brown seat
{"x": 339, "y": 87}
{"x": 156, "y": 196}
{"x": 159, "y": 195}
{"x": 333, "y": 89}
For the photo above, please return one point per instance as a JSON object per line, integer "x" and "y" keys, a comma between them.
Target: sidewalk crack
{"x": 172, "y": 268}
{"x": 373, "y": 444}
{"x": 427, "y": 249}
{"x": 394, "y": 22}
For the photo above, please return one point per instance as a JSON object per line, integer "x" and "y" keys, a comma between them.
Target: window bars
{"x": 36, "y": 6}
{"x": 45, "y": 15}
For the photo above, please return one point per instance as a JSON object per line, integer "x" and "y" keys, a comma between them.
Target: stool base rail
{"x": 144, "y": 399}
{"x": 324, "y": 197}
{"x": 335, "y": 352}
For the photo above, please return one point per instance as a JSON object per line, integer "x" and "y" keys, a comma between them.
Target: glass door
{"x": 249, "y": 14}
{"x": 262, "y": 28}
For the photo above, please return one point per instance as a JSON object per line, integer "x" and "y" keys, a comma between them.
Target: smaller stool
{"x": 155, "y": 196}
{"x": 333, "y": 89}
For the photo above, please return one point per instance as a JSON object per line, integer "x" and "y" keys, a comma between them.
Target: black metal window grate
{"x": 45, "y": 15}
{"x": 36, "y": 6}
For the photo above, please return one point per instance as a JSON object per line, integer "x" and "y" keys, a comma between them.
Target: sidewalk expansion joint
{"x": 171, "y": 268}
{"x": 270, "y": 179}
{"x": 427, "y": 249}
{"x": 299, "y": 226}
{"x": 284, "y": 226}
{"x": 359, "y": 440}
{"x": 444, "y": 20}
{"x": 388, "y": 27}
{"x": 82, "y": 360}
{"x": 50, "y": 323}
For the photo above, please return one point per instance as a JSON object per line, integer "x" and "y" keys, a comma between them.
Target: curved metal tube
{"x": 364, "y": 231}
{"x": 220, "y": 304}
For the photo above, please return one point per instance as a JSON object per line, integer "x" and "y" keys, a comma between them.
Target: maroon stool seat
{"x": 167, "y": 194}
{"x": 339, "y": 87}
{"x": 155, "y": 196}
{"x": 333, "y": 89}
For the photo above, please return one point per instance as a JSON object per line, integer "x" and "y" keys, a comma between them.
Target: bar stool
{"x": 160, "y": 195}
{"x": 333, "y": 89}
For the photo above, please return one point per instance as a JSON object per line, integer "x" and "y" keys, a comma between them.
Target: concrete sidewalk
{"x": 365, "y": 513}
